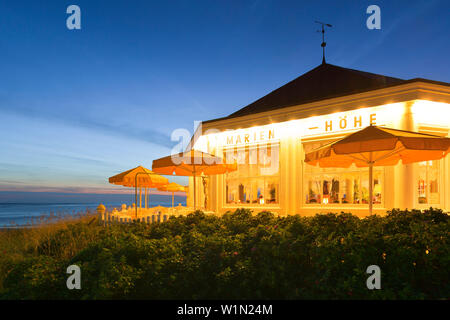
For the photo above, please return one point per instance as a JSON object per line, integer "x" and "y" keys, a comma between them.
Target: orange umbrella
{"x": 377, "y": 146}
{"x": 139, "y": 176}
{"x": 191, "y": 163}
{"x": 173, "y": 187}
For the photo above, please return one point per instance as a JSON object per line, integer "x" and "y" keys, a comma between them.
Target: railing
{"x": 127, "y": 215}
{"x": 148, "y": 215}
{"x": 109, "y": 218}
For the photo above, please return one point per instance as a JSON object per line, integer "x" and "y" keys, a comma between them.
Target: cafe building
{"x": 268, "y": 140}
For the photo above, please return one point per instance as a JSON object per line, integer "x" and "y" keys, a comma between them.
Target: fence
{"x": 109, "y": 218}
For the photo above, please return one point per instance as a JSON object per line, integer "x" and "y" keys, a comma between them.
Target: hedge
{"x": 244, "y": 256}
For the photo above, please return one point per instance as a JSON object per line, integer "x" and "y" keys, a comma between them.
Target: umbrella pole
{"x": 145, "y": 197}
{"x": 194, "y": 189}
{"x": 370, "y": 184}
{"x": 135, "y": 193}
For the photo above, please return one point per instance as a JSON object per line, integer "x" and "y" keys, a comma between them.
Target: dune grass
{"x": 42, "y": 239}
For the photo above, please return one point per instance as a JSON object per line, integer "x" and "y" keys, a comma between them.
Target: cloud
{"x": 11, "y": 181}
{"x": 83, "y": 159}
{"x": 148, "y": 134}
{"x": 78, "y": 190}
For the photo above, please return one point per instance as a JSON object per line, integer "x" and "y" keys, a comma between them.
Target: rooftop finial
{"x": 323, "y": 45}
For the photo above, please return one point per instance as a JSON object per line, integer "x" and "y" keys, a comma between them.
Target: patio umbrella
{"x": 139, "y": 177}
{"x": 173, "y": 187}
{"x": 191, "y": 163}
{"x": 379, "y": 146}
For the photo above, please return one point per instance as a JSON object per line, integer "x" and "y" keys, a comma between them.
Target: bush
{"x": 242, "y": 256}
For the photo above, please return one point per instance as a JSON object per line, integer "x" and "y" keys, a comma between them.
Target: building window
{"x": 428, "y": 182}
{"x": 257, "y": 179}
{"x": 340, "y": 186}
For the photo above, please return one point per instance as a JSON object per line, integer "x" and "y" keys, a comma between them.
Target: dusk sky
{"x": 78, "y": 106}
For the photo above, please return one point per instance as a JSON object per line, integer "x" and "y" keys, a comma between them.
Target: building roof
{"x": 322, "y": 82}
{"x": 326, "y": 81}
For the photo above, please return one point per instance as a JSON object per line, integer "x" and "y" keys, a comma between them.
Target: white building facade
{"x": 270, "y": 137}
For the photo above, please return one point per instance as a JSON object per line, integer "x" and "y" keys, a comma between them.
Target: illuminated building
{"x": 269, "y": 137}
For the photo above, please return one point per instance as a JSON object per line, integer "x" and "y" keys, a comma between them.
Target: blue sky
{"x": 78, "y": 106}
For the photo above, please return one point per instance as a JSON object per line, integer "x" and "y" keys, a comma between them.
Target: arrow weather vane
{"x": 323, "y": 45}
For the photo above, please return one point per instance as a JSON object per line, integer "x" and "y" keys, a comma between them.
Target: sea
{"x": 18, "y": 211}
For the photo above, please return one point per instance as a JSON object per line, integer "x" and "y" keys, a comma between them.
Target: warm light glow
{"x": 389, "y": 115}
{"x": 431, "y": 113}
{"x": 331, "y": 124}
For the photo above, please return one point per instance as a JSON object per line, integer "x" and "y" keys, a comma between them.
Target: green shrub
{"x": 241, "y": 255}
{"x": 35, "y": 278}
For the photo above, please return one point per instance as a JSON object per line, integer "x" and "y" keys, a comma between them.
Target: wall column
{"x": 405, "y": 182}
{"x": 292, "y": 176}
{"x": 284, "y": 162}
{"x": 299, "y": 195}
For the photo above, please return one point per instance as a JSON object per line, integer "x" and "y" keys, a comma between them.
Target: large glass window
{"x": 256, "y": 180}
{"x": 340, "y": 185}
{"x": 428, "y": 182}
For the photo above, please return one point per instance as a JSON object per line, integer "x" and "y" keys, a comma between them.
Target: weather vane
{"x": 323, "y": 45}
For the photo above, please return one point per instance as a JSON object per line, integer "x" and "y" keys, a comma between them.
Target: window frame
{"x": 276, "y": 205}
{"x": 361, "y": 172}
{"x": 441, "y": 175}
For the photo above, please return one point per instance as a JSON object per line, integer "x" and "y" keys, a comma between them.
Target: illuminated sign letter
{"x": 343, "y": 123}
{"x": 328, "y": 125}
{"x": 373, "y": 119}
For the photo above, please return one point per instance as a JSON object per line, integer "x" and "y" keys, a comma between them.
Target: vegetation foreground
{"x": 236, "y": 256}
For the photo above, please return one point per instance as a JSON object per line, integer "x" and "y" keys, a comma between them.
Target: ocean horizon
{"x": 17, "y": 211}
